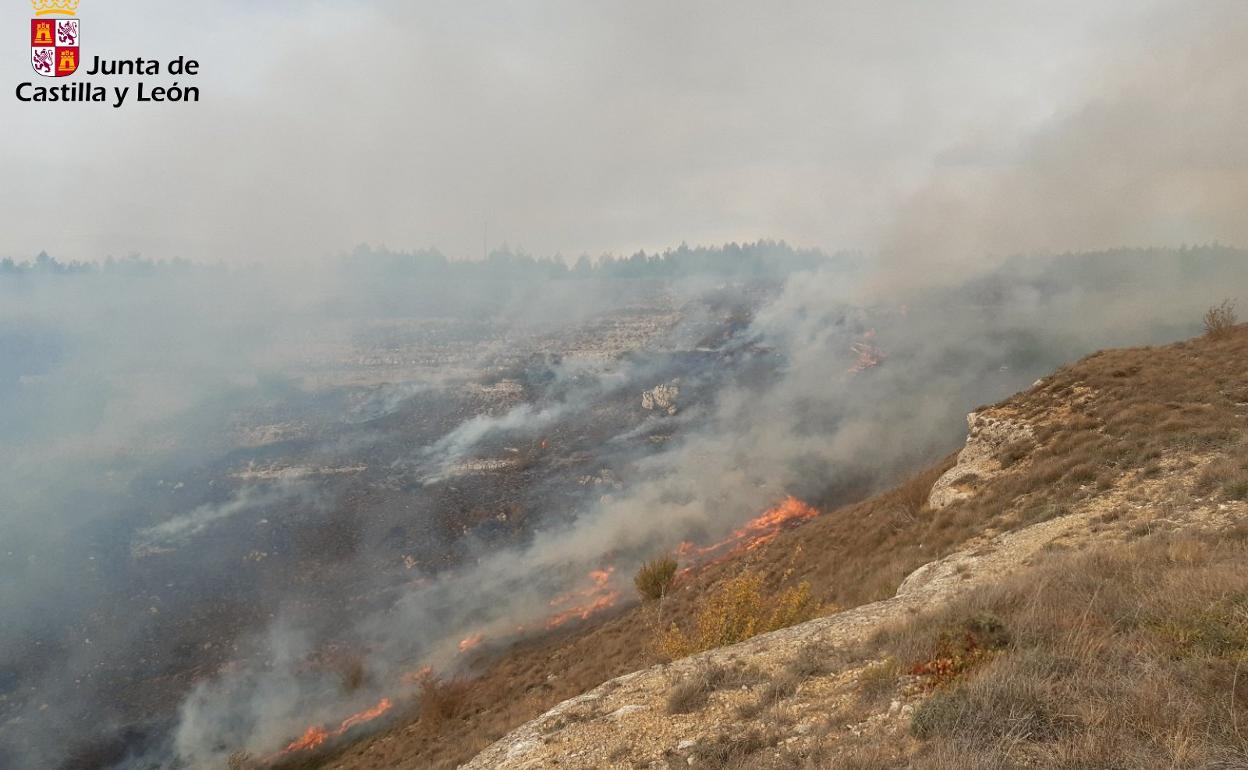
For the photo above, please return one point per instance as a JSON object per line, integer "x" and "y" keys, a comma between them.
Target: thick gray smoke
{"x": 171, "y": 424}
{"x": 814, "y": 428}
{"x": 1141, "y": 148}
{"x": 173, "y": 432}
{"x": 965, "y": 127}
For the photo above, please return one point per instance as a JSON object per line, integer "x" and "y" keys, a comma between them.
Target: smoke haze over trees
{"x": 250, "y": 459}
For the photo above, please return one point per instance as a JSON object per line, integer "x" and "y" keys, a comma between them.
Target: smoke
{"x": 569, "y": 129}
{"x": 943, "y": 142}
{"x": 1140, "y": 150}
{"x": 451, "y": 448}
{"x": 178, "y": 529}
{"x": 812, "y": 427}
{"x": 144, "y": 502}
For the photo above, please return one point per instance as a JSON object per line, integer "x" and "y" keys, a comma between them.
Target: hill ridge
{"x": 1155, "y": 489}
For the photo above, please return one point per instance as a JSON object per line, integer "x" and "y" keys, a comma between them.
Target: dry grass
{"x": 816, "y": 660}
{"x": 732, "y": 750}
{"x": 1124, "y": 411}
{"x": 1128, "y": 656}
{"x": 693, "y": 690}
{"x": 1120, "y": 412}
{"x": 441, "y": 700}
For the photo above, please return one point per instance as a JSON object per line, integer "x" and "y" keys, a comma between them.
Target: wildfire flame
{"x": 367, "y": 715}
{"x": 316, "y": 735}
{"x": 586, "y": 601}
{"x": 753, "y": 534}
{"x": 415, "y": 677}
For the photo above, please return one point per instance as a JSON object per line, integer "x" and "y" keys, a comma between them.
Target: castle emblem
{"x": 54, "y": 42}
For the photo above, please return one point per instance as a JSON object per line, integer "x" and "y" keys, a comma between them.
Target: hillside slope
{"x": 1088, "y": 608}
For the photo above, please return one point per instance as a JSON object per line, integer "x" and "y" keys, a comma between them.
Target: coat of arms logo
{"x": 54, "y": 42}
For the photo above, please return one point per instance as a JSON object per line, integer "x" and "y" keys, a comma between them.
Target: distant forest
{"x": 759, "y": 259}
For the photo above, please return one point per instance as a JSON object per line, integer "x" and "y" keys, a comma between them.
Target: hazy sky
{"x": 907, "y": 127}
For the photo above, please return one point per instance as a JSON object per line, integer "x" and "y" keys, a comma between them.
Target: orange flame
{"x": 367, "y": 715}
{"x": 311, "y": 738}
{"x": 765, "y": 528}
{"x": 470, "y": 641}
{"x": 414, "y": 677}
{"x": 583, "y": 611}
{"x": 316, "y": 735}
{"x": 586, "y": 601}
{"x": 601, "y": 576}
{"x": 753, "y": 534}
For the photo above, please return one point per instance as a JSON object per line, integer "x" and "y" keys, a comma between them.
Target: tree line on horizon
{"x": 762, "y": 258}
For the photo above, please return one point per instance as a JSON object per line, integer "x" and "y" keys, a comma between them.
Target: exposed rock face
{"x": 987, "y": 435}
{"x": 661, "y": 397}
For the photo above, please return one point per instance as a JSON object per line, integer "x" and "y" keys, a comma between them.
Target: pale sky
{"x": 579, "y": 127}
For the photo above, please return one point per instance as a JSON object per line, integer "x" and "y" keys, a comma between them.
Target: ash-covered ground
{"x": 385, "y": 450}
{"x": 242, "y": 504}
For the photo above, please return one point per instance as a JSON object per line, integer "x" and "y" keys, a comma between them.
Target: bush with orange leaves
{"x": 736, "y": 612}
{"x": 958, "y": 652}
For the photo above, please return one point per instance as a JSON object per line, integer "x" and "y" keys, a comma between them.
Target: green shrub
{"x": 655, "y": 578}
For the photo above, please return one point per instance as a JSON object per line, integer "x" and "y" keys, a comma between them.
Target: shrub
{"x": 939, "y": 714}
{"x": 736, "y": 612}
{"x": 910, "y": 497}
{"x": 1220, "y": 319}
{"x": 1236, "y": 489}
{"x": 654, "y": 579}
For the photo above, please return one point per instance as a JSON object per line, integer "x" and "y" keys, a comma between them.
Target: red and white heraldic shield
{"x": 54, "y": 46}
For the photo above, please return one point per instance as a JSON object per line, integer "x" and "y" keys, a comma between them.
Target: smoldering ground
{"x": 1106, "y": 126}
{"x": 187, "y": 439}
{"x": 774, "y": 410}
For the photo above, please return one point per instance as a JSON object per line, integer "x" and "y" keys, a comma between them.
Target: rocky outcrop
{"x": 661, "y": 398}
{"x": 988, "y": 434}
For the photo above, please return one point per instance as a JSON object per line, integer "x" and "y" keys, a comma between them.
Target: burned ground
{"x": 331, "y": 525}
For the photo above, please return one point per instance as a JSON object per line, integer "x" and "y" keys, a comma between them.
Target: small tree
{"x": 1220, "y": 319}
{"x": 654, "y": 579}
{"x": 737, "y": 611}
